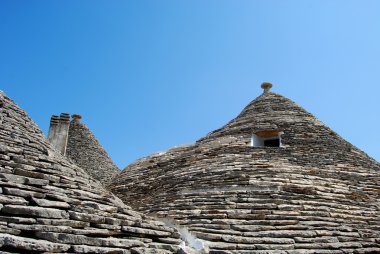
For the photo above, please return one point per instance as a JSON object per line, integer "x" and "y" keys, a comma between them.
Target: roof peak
{"x": 266, "y": 86}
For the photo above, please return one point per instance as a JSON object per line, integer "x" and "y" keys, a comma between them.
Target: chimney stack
{"x": 59, "y": 132}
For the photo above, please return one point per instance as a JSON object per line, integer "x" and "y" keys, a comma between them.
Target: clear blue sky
{"x": 150, "y": 75}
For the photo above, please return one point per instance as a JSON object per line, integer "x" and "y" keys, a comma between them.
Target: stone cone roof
{"x": 47, "y": 204}
{"x": 85, "y": 151}
{"x": 315, "y": 194}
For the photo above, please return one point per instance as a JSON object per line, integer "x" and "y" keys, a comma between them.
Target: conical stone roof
{"x": 84, "y": 150}
{"x": 315, "y": 194}
{"x": 48, "y": 204}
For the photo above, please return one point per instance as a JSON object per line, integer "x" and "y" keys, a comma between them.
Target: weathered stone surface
{"x": 186, "y": 250}
{"x": 35, "y": 211}
{"x": 68, "y": 238}
{"x": 20, "y": 220}
{"x": 48, "y": 204}
{"x": 87, "y": 217}
{"x": 84, "y": 240}
{"x": 6, "y": 230}
{"x": 22, "y": 193}
{"x": 145, "y": 231}
{"x": 101, "y": 250}
{"x": 12, "y": 200}
{"x": 44, "y": 228}
{"x": 27, "y": 244}
{"x": 23, "y": 180}
{"x": 316, "y": 192}
{"x": 149, "y": 251}
{"x": 85, "y": 150}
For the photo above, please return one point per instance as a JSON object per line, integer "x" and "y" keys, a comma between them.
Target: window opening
{"x": 266, "y": 139}
{"x": 272, "y": 142}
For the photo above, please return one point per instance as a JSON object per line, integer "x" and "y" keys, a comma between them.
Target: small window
{"x": 272, "y": 142}
{"x": 266, "y": 139}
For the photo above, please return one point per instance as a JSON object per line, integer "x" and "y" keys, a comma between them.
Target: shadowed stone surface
{"x": 85, "y": 151}
{"x": 48, "y": 204}
{"x": 315, "y": 194}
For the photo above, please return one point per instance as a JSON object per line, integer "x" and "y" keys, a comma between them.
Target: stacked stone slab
{"x": 85, "y": 151}
{"x": 315, "y": 194}
{"x": 59, "y": 132}
{"x": 48, "y": 205}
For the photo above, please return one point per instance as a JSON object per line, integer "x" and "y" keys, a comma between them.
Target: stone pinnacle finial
{"x": 76, "y": 117}
{"x": 266, "y": 86}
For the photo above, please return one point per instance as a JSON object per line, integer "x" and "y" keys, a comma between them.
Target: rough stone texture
{"x": 48, "y": 204}
{"x": 85, "y": 151}
{"x": 27, "y": 244}
{"x": 59, "y": 131}
{"x": 315, "y": 194}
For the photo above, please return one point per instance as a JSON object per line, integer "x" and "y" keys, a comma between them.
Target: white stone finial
{"x": 266, "y": 86}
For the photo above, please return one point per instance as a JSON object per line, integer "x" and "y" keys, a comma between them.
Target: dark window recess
{"x": 271, "y": 138}
{"x": 272, "y": 142}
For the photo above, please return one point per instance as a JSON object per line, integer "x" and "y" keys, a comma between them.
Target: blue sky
{"x": 150, "y": 75}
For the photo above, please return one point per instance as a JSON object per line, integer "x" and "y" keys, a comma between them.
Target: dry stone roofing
{"x": 48, "y": 204}
{"x": 85, "y": 151}
{"x": 316, "y": 193}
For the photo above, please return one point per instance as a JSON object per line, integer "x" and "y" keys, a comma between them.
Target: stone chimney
{"x": 59, "y": 132}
